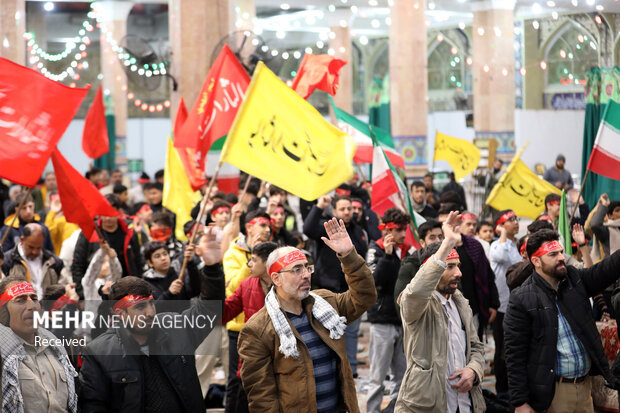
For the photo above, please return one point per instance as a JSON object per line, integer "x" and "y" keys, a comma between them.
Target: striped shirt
{"x": 572, "y": 359}
{"x": 323, "y": 361}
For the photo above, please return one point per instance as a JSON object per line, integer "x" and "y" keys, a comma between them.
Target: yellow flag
{"x": 279, "y": 137}
{"x": 178, "y": 194}
{"x": 463, "y": 156}
{"x": 521, "y": 190}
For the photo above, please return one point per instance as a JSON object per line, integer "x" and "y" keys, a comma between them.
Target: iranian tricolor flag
{"x": 228, "y": 176}
{"x": 388, "y": 191}
{"x": 360, "y": 132}
{"x": 605, "y": 156}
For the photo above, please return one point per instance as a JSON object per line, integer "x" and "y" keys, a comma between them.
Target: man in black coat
{"x": 552, "y": 344}
{"x": 149, "y": 368}
{"x": 328, "y": 271}
{"x": 386, "y": 330}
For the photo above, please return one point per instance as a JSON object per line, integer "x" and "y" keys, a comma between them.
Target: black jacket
{"x": 130, "y": 257}
{"x": 111, "y": 378}
{"x": 328, "y": 272}
{"x": 384, "y": 269}
{"x": 531, "y": 329}
{"x": 408, "y": 269}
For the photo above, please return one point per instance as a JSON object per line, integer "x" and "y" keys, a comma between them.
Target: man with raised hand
{"x": 445, "y": 358}
{"x": 293, "y": 350}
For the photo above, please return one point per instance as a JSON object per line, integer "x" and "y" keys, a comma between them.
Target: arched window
{"x": 446, "y": 69}
{"x": 570, "y": 53}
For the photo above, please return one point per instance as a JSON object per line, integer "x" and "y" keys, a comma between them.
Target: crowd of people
{"x": 292, "y": 281}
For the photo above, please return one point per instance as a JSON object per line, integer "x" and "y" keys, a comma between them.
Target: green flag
{"x": 564, "y": 227}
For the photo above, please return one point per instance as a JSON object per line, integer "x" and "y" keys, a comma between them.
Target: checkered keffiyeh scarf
{"x": 321, "y": 310}
{"x": 12, "y": 353}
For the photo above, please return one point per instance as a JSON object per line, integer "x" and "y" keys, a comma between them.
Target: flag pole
{"x": 361, "y": 174}
{"x": 245, "y": 189}
{"x": 203, "y": 208}
{"x": 583, "y": 182}
{"x": 19, "y": 207}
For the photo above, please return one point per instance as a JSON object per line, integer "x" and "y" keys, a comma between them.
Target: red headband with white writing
{"x": 259, "y": 221}
{"x": 505, "y": 217}
{"x": 468, "y": 217}
{"x": 452, "y": 256}
{"x": 556, "y": 202}
{"x": 129, "y": 301}
{"x": 14, "y": 291}
{"x": 287, "y": 259}
{"x": 546, "y": 248}
{"x": 219, "y": 210}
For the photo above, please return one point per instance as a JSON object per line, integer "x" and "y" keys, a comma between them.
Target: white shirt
{"x": 502, "y": 256}
{"x": 35, "y": 268}
{"x": 457, "y": 348}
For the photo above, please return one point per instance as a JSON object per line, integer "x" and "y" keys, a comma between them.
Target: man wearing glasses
{"x": 503, "y": 254}
{"x": 293, "y": 350}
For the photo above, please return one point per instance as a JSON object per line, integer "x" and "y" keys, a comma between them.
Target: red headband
{"x": 523, "y": 247}
{"x": 286, "y": 260}
{"x": 452, "y": 256}
{"x": 553, "y": 203}
{"x": 545, "y": 217}
{"x": 14, "y": 291}
{"x": 259, "y": 221}
{"x": 505, "y": 217}
{"x": 357, "y": 203}
{"x": 546, "y": 248}
{"x": 219, "y": 210}
{"x": 145, "y": 208}
{"x": 61, "y": 302}
{"x": 129, "y": 301}
{"x": 390, "y": 225}
{"x": 468, "y": 217}
{"x": 278, "y": 209}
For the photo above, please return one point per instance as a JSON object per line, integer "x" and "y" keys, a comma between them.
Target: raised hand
{"x": 578, "y": 235}
{"x": 210, "y": 248}
{"x": 604, "y": 200}
{"x": 388, "y": 244}
{"x": 451, "y": 229}
{"x": 337, "y": 237}
{"x": 55, "y": 205}
{"x": 324, "y": 202}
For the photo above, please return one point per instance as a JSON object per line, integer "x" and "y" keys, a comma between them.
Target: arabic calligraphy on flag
{"x": 463, "y": 156}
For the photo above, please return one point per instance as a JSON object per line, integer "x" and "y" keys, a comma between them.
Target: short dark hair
{"x": 539, "y": 225}
{"x": 429, "y": 175}
{"x": 450, "y": 197}
{"x": 231, "y": 198}
{"x": 151, "y": 247}
{"x": 427, "y": 252}
{"x": 418, "y": 184}
{"x": 552, "y": 197}
{"x": 119, "y": 189}
{"x": 339, "y": 198}
{"x": 188, "y": 227}
{"x": 154, "y": 185}
{"x": 162, "y": 218}
{"x": 159, "y": 174}
{"x": 114, "y": 200}
{"x": 53, "y": 292}
{"x": 538, "y": 238}
{"x": 21, "y": 196}
{"x": 219, "y": 195}
{"x": 253, "y": 186}
{"x": 612, "y": 205}
{"x": 263, "y": 249}
{"x": 396, "y": 216}
{"x": 274, "y": 190}
{"x": 449, "y": 207}
{"x": 92, "y": 171}
{"x": 481, "y": 224}
{"x": 427, "y": 227}
{"x": 256, "y": 213}
{"x": 129, "y": 285}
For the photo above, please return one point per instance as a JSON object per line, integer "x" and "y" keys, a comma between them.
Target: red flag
{"x": 34, "y": 113}
{"x": 81, "y": 201}
{"x": 95, "y": 141}
{"x": 317, "y": 72}
{"x": 187, "y": 155}
{"x": 216, "y": 106}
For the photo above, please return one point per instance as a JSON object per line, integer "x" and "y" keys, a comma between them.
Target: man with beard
{"x": 552, "y": 344}
{"x": 558, "y": 175}
{"x": 142, "y": 365}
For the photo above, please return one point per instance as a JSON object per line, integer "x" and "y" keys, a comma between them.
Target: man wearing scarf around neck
{"x": 293, "y": 350}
